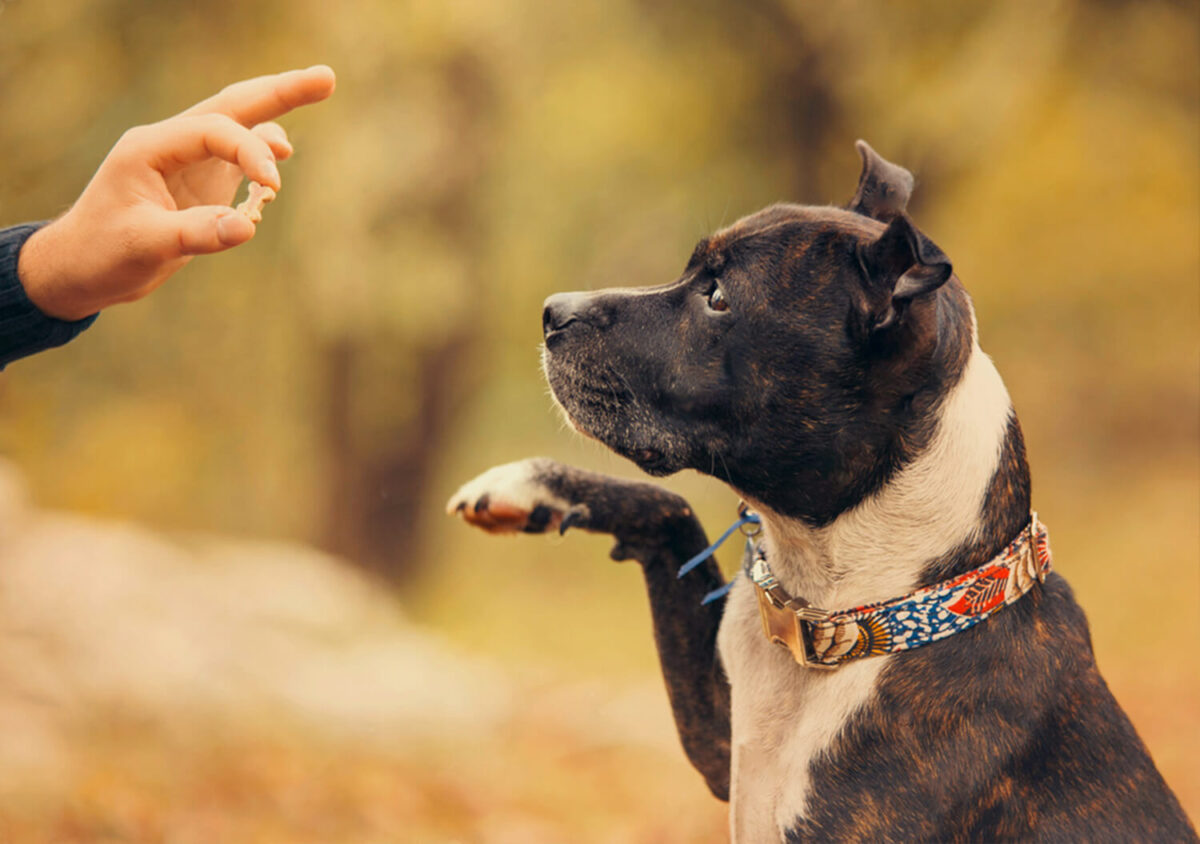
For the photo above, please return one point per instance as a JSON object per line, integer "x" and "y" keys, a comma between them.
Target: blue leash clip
{"x": 745, "y": 517}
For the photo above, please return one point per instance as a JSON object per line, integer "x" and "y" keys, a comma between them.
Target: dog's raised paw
{"x": 510, "y": 499}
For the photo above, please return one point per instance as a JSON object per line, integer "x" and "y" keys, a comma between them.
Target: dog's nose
{"x": 560, "y": 310}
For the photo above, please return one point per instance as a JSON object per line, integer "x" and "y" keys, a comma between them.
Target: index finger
{"x": 253, "y": 101}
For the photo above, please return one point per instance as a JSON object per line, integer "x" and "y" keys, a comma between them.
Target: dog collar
{"x": 820, "y": 638}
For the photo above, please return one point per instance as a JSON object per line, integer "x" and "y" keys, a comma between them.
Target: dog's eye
{"x": 716, "y": 299}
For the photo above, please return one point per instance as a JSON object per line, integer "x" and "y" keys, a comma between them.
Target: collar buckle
{"x": 784, "y": 618}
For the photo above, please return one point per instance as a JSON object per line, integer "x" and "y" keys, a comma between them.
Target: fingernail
{"x": 225, "y": 229}
{"x": 273, "y": 173}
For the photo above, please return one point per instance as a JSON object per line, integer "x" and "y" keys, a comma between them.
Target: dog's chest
{"x": 784, "y": 716}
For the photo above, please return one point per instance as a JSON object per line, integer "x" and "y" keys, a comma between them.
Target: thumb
{"x": 205, "y": 229}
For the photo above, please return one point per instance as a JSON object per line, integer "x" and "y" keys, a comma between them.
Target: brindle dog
{"x": 823, "y": 362}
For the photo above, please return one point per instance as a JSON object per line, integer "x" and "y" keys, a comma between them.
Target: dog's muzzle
{"x": 563, "y": 310}
{"x": 560, "y": 311}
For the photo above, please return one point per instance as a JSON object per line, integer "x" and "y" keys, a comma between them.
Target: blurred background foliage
{"x": 377, "y": 343}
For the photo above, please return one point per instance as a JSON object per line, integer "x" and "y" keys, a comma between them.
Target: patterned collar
{"x": 825, "y": 639}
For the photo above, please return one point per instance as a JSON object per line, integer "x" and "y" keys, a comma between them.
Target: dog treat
{"x": 256, "y": 198}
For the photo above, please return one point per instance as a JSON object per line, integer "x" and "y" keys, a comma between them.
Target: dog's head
{"x": 798, "y": 356}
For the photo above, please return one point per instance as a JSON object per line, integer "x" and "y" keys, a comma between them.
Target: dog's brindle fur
{"x": 843, "y": 394}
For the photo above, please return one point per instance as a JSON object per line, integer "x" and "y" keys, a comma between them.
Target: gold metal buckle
{"x": 783, "y": 616}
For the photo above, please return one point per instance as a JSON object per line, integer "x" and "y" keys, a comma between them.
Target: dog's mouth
{"x": 586, "y": 388}
{"x": 590, "y": 408}
{"x": 652, "y": 460}
{"x": 598, "y": 403}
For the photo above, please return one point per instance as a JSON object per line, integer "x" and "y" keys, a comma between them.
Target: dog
{"x": 824, "y": 363}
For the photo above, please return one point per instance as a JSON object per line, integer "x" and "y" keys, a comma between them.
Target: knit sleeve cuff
{"x": 24, "y": 329}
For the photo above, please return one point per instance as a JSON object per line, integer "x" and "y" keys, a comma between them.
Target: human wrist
{"x": 46, "y": 284}
{"x": 24, "y": 328}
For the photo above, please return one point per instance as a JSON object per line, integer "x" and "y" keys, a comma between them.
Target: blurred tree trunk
{"x": 375, "y": 497}
{"x": 794, "y": 114}
{"x": 799, "y": 112}
{"x": 378, "y": 482}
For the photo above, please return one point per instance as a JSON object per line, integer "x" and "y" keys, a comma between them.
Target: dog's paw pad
{"x": 509, "y": 499}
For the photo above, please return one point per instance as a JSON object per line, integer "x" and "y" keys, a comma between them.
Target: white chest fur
{"x": 785, "y": 716}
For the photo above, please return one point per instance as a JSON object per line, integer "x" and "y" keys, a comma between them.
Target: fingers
{"x": 201, "y": 230}
{"x": 179, "y": 141}
{"x": 264, "y": 98}
{"x": 276, "y": 139}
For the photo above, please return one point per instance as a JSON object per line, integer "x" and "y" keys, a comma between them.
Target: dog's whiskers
{"x": 725, "y": 466}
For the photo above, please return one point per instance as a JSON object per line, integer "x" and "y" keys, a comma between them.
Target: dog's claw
{"x": 572, "y": 518}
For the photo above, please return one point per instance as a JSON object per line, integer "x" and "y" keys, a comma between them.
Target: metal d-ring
{"x": 751, "y": 524}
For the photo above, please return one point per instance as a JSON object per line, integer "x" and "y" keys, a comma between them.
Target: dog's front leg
{"x": 658, "y": 529}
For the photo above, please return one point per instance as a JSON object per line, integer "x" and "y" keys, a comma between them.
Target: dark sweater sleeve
{"x": 23, "y": 328}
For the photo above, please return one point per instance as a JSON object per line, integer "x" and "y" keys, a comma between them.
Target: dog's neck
{"x": 928, "y": 514}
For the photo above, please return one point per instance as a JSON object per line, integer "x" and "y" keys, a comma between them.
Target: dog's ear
{"x": 883, "y": 187}
{"x": 897, "y": 267}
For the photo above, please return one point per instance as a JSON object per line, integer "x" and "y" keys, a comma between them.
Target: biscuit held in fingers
{"x": 256, "y": 197}
{"x": 162, "y": 195}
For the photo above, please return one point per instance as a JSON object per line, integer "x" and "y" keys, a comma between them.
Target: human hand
{"x": 162, "y": 196}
